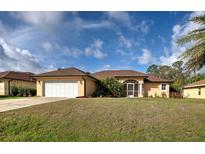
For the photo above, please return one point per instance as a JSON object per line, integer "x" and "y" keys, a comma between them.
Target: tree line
{"x": 176, "y": 72}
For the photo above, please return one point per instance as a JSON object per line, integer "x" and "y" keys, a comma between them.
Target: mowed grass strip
{"x": 10, "y": 97}
{"x": 107, "y": 119}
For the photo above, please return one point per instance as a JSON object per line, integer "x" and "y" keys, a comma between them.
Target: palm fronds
{"x": 195, "y": 55}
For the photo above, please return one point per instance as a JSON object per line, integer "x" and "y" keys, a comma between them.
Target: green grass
{"x": 106, "y": 119}
{"x": 10, "y": 97}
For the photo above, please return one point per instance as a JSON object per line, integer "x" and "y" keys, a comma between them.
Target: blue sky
{"x": 91, "y": 41}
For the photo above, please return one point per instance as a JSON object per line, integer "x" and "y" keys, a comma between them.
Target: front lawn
{"x": 9, "y": 97}
{"x": 107, "y": 119}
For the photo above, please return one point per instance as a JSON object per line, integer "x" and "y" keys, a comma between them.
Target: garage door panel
{"x": 61, "y": 89}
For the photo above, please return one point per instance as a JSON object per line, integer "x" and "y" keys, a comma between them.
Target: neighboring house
{"x": 72, "y": 82}
{"x": 195, "y": 90}
{"x": 18, "y": 79}
{"x": 138, "y": 84}
{"x": 68, "y": 82}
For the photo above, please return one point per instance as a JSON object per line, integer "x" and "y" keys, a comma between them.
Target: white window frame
{"x": 131, "y": 90}
{"x": 165, "y": 87}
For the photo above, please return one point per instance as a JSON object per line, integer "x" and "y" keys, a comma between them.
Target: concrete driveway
{"x": 11, "y": 104}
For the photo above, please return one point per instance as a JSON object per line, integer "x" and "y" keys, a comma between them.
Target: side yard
{"x": 107, "y": 119}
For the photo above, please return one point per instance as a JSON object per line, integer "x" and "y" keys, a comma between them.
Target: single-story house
{"x": 18, "y": 79}
{"x": 138, "y": 84}
{"x": 195, "y": 90}
{"x": 72, "y": 82}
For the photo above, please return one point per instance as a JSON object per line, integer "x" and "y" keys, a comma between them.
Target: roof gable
{"x": 71, "y": 71}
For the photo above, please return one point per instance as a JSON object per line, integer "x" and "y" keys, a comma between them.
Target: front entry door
{"x": 130, "y": 89}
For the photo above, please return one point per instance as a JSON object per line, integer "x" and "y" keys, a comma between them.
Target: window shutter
{"x": 136, "y": 90}
{"x": 125, "y": 90}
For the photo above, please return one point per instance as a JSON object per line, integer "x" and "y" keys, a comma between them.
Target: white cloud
{"x": 95, "y": 50}
{"x": 95, "y": 25}
{"x": 145, "y": 58}
{"x": 197, "y": 13}
{"x": 42, "y": 19}
{"x": 124, "y": 41}
{"x": 122, "y": 17}
{"x": 144, "y": 26}
{"x": 122, "y": 52}
{"x": 73, "y": 52}
{"x": 17, "y": 59}
{"x": 102, "y": 68}
{"x": 180, "y": 30}
{"x": 47, "y": 46}
{"x": 76, "y": 23}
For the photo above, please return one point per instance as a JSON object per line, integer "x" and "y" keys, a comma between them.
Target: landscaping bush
{"x": 33, "y": 92}
{"x": 98, "y": 93}
{"x": 21, "y": 91}
{"x": 14, "y": 90}
{"x": 109, "y": 87}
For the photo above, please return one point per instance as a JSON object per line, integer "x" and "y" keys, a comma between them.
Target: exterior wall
{"x": 4, "y": 85}
{"x": 25, "y": 84}
{"x": 41, "y": 87}
{"x": 91, "y": 86}
{"x": 154, "y": 89}
{"x": 80, "y": 88}
{"x": 193, "y": 92}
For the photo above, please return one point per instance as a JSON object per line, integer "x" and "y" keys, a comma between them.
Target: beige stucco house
{"x": 195, "y": 90}
{"x": 72, "y": 82}
{"x": 138, "y": 84}
{"x": 18, "y": 79}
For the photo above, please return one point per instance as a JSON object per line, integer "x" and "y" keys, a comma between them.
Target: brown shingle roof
{"x": 71, "y": 71}
{"x": 128, "y": 73}
{"x": 153, "y": 78}
{"x": 25, "y": 76}
{"x": 118, "y": 73}
{"x": 196, "y": 84}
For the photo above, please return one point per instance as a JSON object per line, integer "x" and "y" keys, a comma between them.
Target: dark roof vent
{"x": 59, "y": 69}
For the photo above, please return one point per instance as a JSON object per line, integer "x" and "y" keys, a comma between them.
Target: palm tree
{"x": 195, "y": 56}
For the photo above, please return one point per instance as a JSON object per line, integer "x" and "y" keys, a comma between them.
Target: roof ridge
{"x": 78, "y": 69}
{"x": 119, "y": 70}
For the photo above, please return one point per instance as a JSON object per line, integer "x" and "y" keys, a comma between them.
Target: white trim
{"x": 140, "y": 90}
{"x": 165, "y": 87}
{"x": 131, "y": 90}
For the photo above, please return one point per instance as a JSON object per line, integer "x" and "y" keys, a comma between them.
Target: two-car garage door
{"x": 61, "y": 89}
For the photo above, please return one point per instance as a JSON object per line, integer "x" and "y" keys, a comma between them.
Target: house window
{"x": 199, "y": 93}
{"x": 163, "y": 87}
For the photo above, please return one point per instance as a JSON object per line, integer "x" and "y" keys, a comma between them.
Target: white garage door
{"x": 61, "y": 89}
